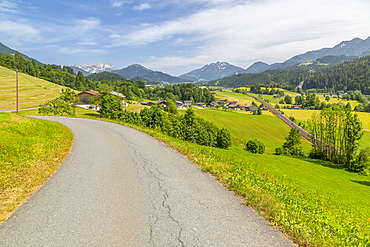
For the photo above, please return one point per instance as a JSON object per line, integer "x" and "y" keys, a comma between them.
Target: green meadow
{"x": 243, "y": 127}
{"x": 32, "y": 91}
{"x": 31, "y": 150}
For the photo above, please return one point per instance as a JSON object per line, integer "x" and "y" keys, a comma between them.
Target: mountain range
{"x": 317, "y": 59}
{"x": 353, "y": 48}
{"x": 8, "y": 51}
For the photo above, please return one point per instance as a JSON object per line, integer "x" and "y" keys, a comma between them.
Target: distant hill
{"x": 211, "y": 72}
{"x": 105, "y": 76}
{"x": 257, "y": 67}
{"x": 354, "y": 48}
{"x": 137, "y": 70}
{"x": 348, "y": 75}
{"x": 76, "y": 70}
{"x": 8, "y": 51}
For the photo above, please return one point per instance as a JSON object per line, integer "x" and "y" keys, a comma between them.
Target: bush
{"x": 223, "y": 138}
{"x": 110, "y": 107}
{"x": 362, "y": 160}
{"x": 255, "y": 146}
{"x": 278, "y": 151}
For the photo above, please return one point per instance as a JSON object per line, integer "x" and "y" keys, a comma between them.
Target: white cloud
{"x": 142, "y": 6}
{"x": 84, "y": 25}
{"x": 117, "y": 3}
{"x": 18, "y": 30}
{"x": 8, "y": 7}
{"x": 78, "y": 51}
{"x": 243, "y": 33}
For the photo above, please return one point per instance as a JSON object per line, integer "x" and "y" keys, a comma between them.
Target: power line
{"x": 33, "y": 81}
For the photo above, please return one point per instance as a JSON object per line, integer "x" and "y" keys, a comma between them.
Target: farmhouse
{"x": 233, "y": 106}
{"x": 119, "y": 96}
{"x": 148, "y": 103}
{"x": 296, "y": 107}
{"x": 278, "y": 96}
{"x": 212, "y": 104}
{"x": 188, "y": 102}
{"x": 86, "y": 95}
{"x": 162, "y": 103}
{"x": 223, "y": 101}
{"x": 251, "y": 107}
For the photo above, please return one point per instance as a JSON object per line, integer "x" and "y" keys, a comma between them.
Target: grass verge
{"x": 31, "y": 150}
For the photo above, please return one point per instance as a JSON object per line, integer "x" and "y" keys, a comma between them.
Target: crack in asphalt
{"x": 152, "y": 170}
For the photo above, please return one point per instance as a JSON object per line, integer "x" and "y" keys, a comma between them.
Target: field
{"x": 31, "y": 150}
{"x": 32, "y": 91}
{"x": 335, "y": 100}
{"x": 243, "y": 127}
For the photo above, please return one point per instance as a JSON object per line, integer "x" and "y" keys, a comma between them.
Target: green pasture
{"x": 243, "y": 127}
{"x": 30, "y": 152}
{"x": 32, "y": 91}
{"x": 230, "y": 96}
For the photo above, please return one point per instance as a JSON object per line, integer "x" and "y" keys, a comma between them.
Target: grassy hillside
{"x": 243, "y": 127}
{"x": 31, "y": 151}
{"x": 32, "y": 91}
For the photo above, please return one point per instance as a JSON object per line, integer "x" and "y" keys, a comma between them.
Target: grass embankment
{"x": 30, "y": 152}
{"x": 32, "y": 91}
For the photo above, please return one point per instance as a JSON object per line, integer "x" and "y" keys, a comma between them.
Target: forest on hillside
{"x": 348, "y": 76}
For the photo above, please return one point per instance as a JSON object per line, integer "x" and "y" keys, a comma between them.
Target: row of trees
{"x": 260, "y": 89}
{"x": 335, "y": 134}
{"x": 187, "y": 127}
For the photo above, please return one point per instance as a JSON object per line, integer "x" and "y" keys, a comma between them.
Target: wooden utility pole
{"x": 17, "y": 88}
{"x": 74, "y": 114}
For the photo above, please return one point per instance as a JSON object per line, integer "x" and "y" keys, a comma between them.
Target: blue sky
{"x": 177, "y": 36}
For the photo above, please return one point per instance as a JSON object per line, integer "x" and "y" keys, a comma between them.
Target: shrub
{"x": 110, "y": 107}
{"x": 278, "y": 151}
{"x": 223, "y": 138}
{"x": 255, "y": 146}
{"x": 362, "y": 160}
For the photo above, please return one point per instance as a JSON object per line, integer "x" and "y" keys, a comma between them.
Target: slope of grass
{"x": 30, "y": 152}
{"x": 32, "y": 91}
{"x": 243, "y": 127}
{"x": 230, "y": 96}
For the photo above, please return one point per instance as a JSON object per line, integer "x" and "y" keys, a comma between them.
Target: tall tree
{"x": 335, "y": 135}
{"x": 80, "y": 81}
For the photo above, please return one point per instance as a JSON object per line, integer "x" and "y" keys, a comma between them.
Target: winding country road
{"x": 120, "y": 187}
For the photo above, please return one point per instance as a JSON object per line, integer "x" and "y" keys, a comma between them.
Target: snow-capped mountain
{"x": 95, "y": 67}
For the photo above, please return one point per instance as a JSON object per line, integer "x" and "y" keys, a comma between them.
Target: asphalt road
{"x": 120, "y": 187}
